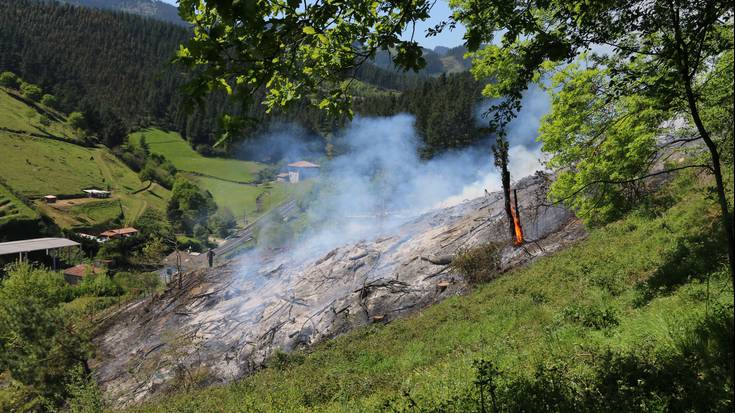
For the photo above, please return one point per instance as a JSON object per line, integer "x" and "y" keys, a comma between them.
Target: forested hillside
{"x": 148, "y": 8}
{"x": 444, "y": 108}
{"x": 115, "y": 68}
{"x": 438, "y": 61}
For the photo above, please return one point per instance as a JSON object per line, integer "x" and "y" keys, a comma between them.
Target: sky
{"x": 439, "y": 12}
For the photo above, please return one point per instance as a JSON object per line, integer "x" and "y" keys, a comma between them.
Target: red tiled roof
{"x": 119, "y": 231}
{"x": 303, "y": 164}
{"x": 82, "y": 269}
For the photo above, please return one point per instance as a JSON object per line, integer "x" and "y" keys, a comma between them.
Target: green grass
{"x": 37, "y": 166}
{"x": 12, "y": 208}
{"x": 223, "y": 178}
{"x": 645, "y": 272}
{"x": 174, "y": 148}
{"x": 240, "y": 199}
{"x": 97, "y": 212}
{"x": 365, "y": 90}
{"x": 18, "y": 116}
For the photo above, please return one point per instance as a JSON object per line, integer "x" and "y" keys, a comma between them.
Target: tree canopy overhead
{"x": 644, "y": 62}
{"x": 294, "y": 49}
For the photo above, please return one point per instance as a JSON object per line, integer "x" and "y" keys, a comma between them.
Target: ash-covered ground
{"x": 224, "y": 322}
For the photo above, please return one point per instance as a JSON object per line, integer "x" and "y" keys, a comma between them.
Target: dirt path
{"x": 135, "y": 203}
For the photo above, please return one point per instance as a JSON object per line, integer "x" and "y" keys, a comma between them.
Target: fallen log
{"x": 438, "y": 260}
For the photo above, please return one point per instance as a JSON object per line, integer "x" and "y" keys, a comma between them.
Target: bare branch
{"x": 625, "y": 181}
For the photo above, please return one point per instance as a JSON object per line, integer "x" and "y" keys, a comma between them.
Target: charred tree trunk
{"x": 500, "y": 150}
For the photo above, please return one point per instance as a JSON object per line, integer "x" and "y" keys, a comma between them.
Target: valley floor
{"x": 638, "y": 317}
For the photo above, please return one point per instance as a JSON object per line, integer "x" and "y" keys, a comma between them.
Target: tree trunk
{"x": 684, "y": 68}
{"x": 717, "y": 171}
{"x": 500, "y": 150}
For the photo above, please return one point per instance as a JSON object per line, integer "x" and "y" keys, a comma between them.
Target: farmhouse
{"x": 97, "y": 193}
{"x": 118, "y": 233}
{"x": 75, "y": 274}
{"x": 302, "y": 170}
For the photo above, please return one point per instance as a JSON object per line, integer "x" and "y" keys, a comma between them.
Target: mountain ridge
{"x": 147, "y": 8}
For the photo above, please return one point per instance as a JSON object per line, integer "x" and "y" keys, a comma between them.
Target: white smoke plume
{"x": 378, "y": 180}
{"x": 525, "y": 156}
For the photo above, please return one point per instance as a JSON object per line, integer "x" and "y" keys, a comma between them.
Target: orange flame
{"x": 518, "y": 228}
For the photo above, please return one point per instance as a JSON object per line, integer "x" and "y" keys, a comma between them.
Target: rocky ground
{"x": 223, "y": 323}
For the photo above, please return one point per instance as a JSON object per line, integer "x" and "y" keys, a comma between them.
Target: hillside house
{"x": 75, "y": 274}
{"x": 301, "y": 170}
{"x": 50, "y": 199}
{"x": 118, "y": 233}
{"x": 97, "y": 193}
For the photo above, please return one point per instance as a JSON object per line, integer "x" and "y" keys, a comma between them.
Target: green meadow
{"x": 36, "y": 166}
{"x": 241, "y": 199}
{"x": 11, "y": 208}
{"x": 228, "y": 180}
{"x": 18, "y": 116}
{"x": 174, "y": 148}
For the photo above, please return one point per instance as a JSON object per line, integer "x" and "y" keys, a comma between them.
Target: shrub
{"x": 223, "y": 222}
{"x": 591, "y": 316}
{"x": 478, "y": 264}
{"x": 9, "y": 80}
{"x": 84, "y": 394}
{"x": 186, "y": 243}
{"x": 31, "y": 91}
{"x": 100, "y": 285}
{"x": 49, "y": 100}
{"x": 38, "y": 343}
{"x": 138, "y": 283}
{"x": 266, "y": 174}
{"x": 76, "y": 120}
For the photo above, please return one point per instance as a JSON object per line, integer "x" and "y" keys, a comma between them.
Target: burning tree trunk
{"x": 517, "y": 220}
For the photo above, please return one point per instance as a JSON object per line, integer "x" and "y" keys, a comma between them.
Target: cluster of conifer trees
{"x": 115, "y": 67}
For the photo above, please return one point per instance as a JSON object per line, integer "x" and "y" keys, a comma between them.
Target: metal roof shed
{"x": 36, "y": 244}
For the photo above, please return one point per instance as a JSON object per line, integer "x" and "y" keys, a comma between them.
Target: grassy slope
{"x": 240, "y": 199}
{"x": 35, "y": 166}
{"x": 40, "y": 166}
{"x": 519, "y": 321}
{"x": 11, "y": 208}
{"x": 221, "y": 177}
{"x": 177, "y": 150}
{"x": 18, "y": 116}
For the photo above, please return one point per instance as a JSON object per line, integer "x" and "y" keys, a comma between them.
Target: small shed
{"x": 75, "y": 274}
{"x": 302, "y": 170}
{"x": 97, "y": 193}
{"x": 50, "y": 199}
